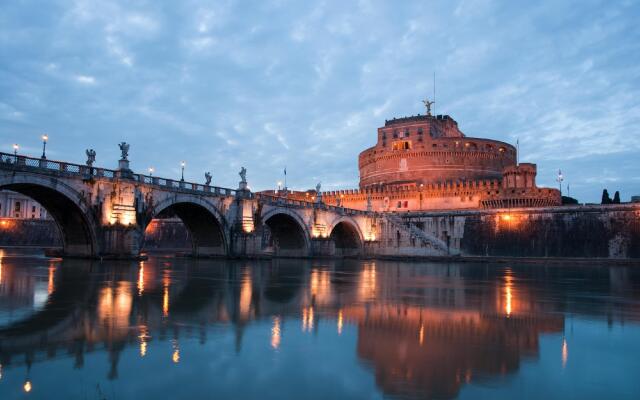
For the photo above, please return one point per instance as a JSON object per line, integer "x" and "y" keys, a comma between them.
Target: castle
{"x": 425, "y": 162}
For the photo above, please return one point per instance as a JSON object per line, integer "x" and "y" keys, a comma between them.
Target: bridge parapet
{"x": 61, "y": 168}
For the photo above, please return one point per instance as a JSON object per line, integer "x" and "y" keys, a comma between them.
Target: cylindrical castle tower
{"x": 428, "y": 149}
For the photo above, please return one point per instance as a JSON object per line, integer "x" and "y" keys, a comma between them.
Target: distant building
{"x": 16, "y": 205}
{"x": 424, "y": 162}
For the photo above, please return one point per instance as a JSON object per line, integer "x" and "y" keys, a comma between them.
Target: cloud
{"x": 307, "y": 84}
{"x": 85, "y": 79}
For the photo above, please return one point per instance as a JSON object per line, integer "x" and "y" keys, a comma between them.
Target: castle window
{"x": 435, "y": 145}
{"x": 384, "y": 135}
{"x": 399, "y": 204}
{"x": 395, "y": 133}
{"x": 419, "y": 131}
{"x": 406, "y": 204}
{"x": 406, "y": 132}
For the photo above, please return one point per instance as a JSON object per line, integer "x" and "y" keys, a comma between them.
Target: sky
{"x": 305, "y": 84}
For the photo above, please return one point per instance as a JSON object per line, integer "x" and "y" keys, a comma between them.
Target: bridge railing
{"x": 85, "y": 171}
{"x": 279, "y": 200}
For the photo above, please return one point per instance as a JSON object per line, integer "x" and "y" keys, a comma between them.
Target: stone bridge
{"x": 105, "y": 213}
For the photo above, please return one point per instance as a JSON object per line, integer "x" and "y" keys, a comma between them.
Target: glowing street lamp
{"x": 15, "y": 150}
{"x": 182, "y": 164}
{"x": 45, "y": 137}
{"x": 559, "y": 179}
{"x": 150, "y": 171}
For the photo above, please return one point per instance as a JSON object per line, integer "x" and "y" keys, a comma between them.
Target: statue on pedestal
{"x": 243, "y": 174}
{"x": 207, "y": 178}
{"x": 124, "y": 148}
{"x": 318, "y": 186}
{"x": 91, "y": 157}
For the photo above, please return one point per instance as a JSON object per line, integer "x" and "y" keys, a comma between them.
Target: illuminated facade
{"x": 425, "y": 162}
{"x": 16, "y": 205}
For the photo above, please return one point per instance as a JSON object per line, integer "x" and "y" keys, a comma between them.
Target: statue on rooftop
{"x": 318, "y": 186}
{"x": 243, "y": 174}
{"x": 428, "y": 105}
{"x": 91, "y": 156}
{"x": 207, "y": 178}
{"x": 124, "y": 148}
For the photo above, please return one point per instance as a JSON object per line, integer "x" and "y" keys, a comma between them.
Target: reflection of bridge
{"x": 102, "y": 212}
{"x": 423, "y": 348}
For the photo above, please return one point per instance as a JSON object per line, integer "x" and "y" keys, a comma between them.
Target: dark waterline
{"x": 184, "y": 328}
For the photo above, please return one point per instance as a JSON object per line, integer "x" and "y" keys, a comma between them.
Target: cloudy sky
{"x": 264, "y": 84}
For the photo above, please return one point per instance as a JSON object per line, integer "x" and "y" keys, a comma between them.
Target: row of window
{"x": 396, "y": 134}
{"x": 17, "y": 210}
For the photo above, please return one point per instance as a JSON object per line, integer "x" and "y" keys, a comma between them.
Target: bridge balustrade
{"x": 8, "y": 160}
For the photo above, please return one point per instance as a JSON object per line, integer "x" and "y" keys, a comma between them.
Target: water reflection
{"x": 419, "y": 330}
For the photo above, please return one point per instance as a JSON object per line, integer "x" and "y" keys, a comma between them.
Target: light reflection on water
{"x": 316, "y": 329}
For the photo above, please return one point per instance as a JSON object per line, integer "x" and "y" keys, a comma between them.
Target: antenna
{"x": 434, "y": 92}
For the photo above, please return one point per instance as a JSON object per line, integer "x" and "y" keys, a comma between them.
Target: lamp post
{"x": 15, "y": 150}
{"x": 559, "y": 179}
{"x": 44, "y": 145}
{"x": 182, "y": 164}
{"x": 150, "y": 171}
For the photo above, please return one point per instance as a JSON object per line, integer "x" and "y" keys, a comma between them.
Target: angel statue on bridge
{"x": 207, "y": 178}
{"x": 243, "y": 174}
{"x": 124, "y": 148}
{"x": 91, "y": 157}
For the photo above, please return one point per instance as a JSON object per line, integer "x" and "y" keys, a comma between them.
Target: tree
{"x": 605, "y": 197}
{"x": 616, "y": 197}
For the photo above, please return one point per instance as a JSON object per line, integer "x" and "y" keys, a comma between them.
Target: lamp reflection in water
{"x": 275, "y": 333}
{"x": 565, "y": 352}
{"x": 307, "y": 319}
{"x": 246, "y": 292}
{"x": 340, "y": 322}
{"x": 50, "y": 284}
{"x": 144, "y": 336}
{"x": 508, "y": 292}
{"x": 166, "y": 281}
{"x": 175, "y": 357}
{"x": 367, "y": 285}
{"x": 421, "y": 334}
{"x": 141, "y": 279}
{"x": 27, "y": 386}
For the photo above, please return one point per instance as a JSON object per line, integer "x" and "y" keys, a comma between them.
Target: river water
{"x": 316, "y": 329}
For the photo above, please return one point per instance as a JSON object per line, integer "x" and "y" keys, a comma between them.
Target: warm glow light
{"x": 506, "y": 217}
{"x": 320, "y": 286}
{"x": 182, "y": 164}
{"x": 27, "y": 386}
{"x": 565, "y": 352}
{"x": 508, "y": 293}
{"x": 367, "y": 283}
{"x": 141, "y": 279}
{"x": 15, "y": 147}
{"x": 45, "y": 137}
{"x": 166, "y": 281}
{"x": 275, "y": 333}
{"x": 421, "y": 334}
{"x": 143, "y": 340}
{"x": 246, "y": 292}
{"x": 50, "y": 285}
{"x": 175, "y": 357}
{"x": 307, "y": 319}
{"x": 340, "y": 322}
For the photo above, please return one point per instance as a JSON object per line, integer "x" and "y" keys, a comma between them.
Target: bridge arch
{"x": 74, "y": 217}
{"x": 290, "y": 236}
{"x": 205, "y": 223}
{"x": 346, "y": 236}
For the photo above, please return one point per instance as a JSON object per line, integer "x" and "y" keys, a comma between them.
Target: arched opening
{"x": 346, "y": 239}
{"x": 286, "y": 237}
{"x": 74, "y": 230}
{"x": 185, "y": 226}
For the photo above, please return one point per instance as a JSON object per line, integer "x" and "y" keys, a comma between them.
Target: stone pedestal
{"x": 243, "y": 186}
{"x": 123, "y": 169}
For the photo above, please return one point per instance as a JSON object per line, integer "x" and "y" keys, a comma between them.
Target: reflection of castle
{"x": 424, "y": 330}
{"x": 430, "y": 354}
